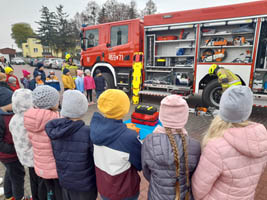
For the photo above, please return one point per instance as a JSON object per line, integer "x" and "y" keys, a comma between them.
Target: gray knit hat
{"x": 45, "y": 97}
{"x": 11, "y": 79}
{"x": 236, "y": 104}
{"x": 74, "y": 104}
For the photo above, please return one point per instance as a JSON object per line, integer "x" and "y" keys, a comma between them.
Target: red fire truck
{"x": 179, "y": 48}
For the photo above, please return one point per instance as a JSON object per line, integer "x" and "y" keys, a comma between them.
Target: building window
{"x": 35, "y": 50}
{"x": 119, "y": 35}
{"x": 92, "y": 38}
{"x": 26, "y": 46}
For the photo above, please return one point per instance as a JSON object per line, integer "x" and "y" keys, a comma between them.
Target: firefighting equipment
{"x": 167, "y": 37}
{"x": 137, "y": 76}
{"x": 238, "y": 41}
{"x": 210, "y": 55}
{"x": 216, "y": 42}
{"x": 227, "y": 78}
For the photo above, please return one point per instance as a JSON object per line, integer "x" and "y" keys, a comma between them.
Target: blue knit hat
{"x": 65, "y": 71}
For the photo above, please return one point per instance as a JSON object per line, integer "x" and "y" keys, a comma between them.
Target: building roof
{"x": 8, "y": 51}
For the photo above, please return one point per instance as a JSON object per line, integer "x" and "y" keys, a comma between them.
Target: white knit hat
{"x": 236, "y": 104}
{"x": 45, "y": 97}
{"x": 74, "y": 104}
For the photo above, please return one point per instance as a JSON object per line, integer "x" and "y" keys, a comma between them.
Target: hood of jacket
{"x": 36, "y": 119}
{"x": 250, "y": 141}
{"x": 104, "y": 130}
{"x": 22, "y": 101}
{"x": 62, "y": 127}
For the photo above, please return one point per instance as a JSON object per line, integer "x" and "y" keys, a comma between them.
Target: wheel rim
{"x": 215, "y": 96}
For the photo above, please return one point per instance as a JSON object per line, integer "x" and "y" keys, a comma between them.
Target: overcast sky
{"x": 14, "y": 11}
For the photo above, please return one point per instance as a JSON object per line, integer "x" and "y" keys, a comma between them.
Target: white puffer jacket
{"x": 21, "y": 102}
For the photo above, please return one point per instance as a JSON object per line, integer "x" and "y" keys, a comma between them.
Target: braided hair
{"x": 177, "y": 161}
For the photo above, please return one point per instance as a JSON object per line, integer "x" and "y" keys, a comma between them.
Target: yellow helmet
{"x": 8, "y": 70}
{"x": 212, "y": 69}
{"x": 67, "y": 57}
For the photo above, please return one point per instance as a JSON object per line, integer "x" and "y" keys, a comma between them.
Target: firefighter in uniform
{"x": 70, "y": 66}
{"x": 225, "y": 77}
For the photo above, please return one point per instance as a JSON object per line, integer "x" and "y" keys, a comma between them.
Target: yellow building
{"x": 32, "y": 48}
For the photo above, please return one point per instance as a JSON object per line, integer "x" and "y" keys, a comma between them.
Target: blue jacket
{"x": 100, "y": 83}
{"x": 53, "y": 82}
{"x": 79, "y": 82}
{"x": 117, "y": 156}
{"x": 36, "y": 71}
{"x": 73, "y": 153}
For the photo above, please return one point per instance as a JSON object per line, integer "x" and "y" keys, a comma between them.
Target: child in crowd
{"x": 36, "y": 81}
{"x": 169, "y": 154}
{"x": 10, "y": 73}
{"x": 79, "y": 82}
{"x": 71, "y": 144}
{"x": 21, "y": 102}
{"x": 117, "y": 151}
{"x": 26, "y": 79}
{"x": 53, "y": 81}
{"x": 12, "y": 83}
{"x": 234, "y": 151}
{"x": 89, "y": 85}
{"x": 67, "y": 80}
{"x": 40, "y": 70}
{"x": 100, "y": 83}
{"x": 14, "y": 173}
{"x": 45, "y": 101}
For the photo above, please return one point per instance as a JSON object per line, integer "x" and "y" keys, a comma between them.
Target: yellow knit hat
{"x": 113, "y": 104}
{"x": 8, "y": 70}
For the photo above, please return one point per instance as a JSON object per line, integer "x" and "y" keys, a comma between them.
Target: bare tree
{"x": 150, "y": 8}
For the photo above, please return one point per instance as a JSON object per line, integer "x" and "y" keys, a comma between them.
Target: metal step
{"x": 123, "y": 74}
{"x": 123, "y": 84}
{"x": 260, "y": 100}
{"x": 157, "y": 93}
{"x": 168, "y": 87}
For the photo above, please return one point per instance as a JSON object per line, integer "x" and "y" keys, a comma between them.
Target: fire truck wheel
{"x": 212, "y": 94}
{"x": 109, "y": 80}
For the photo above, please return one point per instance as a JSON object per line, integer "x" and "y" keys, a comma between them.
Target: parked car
{"x": 57, "y": 63}
{"x": 17, "y": 61}
{"x": 48, "y": 62}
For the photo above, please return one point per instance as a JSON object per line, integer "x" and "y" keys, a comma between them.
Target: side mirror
{"x": 108, "y": 45}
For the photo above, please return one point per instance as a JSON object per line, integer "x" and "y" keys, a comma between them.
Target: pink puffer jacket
{"x": 44, "y": 161}
{"x": 230, "y": 167}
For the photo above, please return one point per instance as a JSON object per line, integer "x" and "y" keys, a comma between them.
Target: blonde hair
{"x": 217, "y": 128}
{"x": 177, "y": 161}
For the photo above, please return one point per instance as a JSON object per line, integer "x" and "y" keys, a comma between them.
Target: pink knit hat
{"x": 173, "y": 112}
{"x": 25, "y": 73}
{"x": 79, "y": 72}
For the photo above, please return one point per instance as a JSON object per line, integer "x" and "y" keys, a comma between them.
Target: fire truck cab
{"x": 110, "y": 48}
{"x": 179, "y": 48}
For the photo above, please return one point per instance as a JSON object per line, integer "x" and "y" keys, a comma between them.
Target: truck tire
{"x": 212, "y": 94}
{"x": 109, "y": 80}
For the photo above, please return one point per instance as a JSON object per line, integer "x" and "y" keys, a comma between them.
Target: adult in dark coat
{"x": 40, "y": 69}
